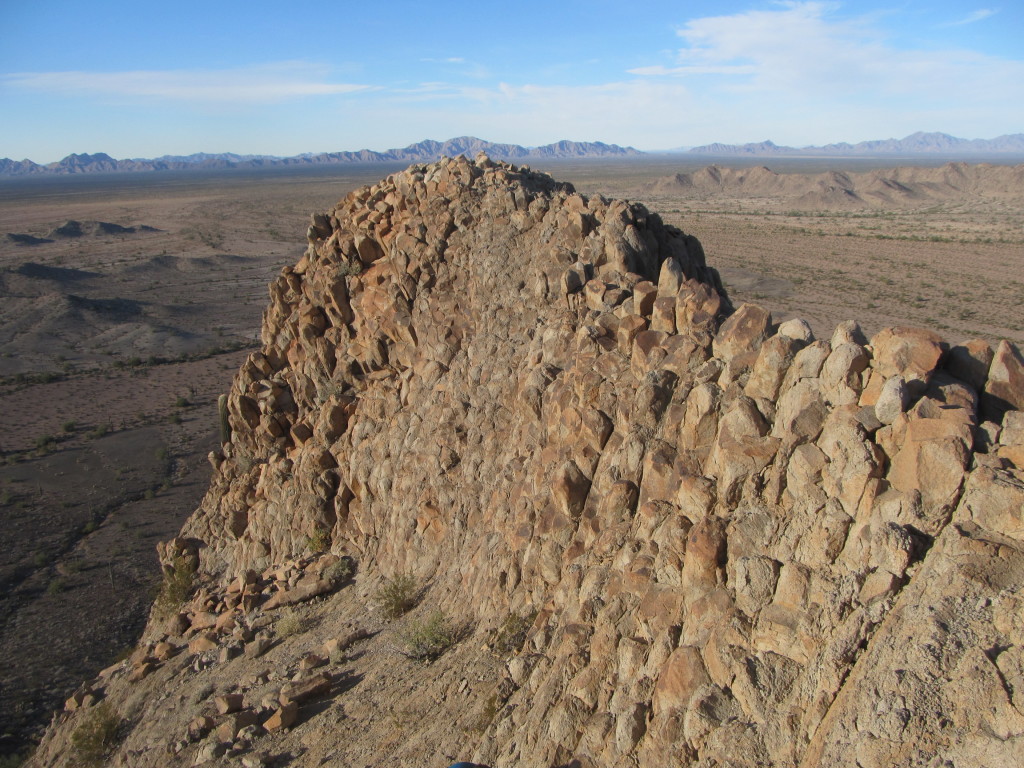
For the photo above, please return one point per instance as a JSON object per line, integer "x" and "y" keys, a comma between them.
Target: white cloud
{"x": 638, "y": 111}
{"x": 980, "y": 14}
{"x": 799, "y": 73}
{"x": 261, "y": 84}
{"x": 807, "y": 53}
{"x": 696, "y": 69}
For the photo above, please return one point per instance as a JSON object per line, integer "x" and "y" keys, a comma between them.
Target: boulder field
{"x": 658, "y": 529}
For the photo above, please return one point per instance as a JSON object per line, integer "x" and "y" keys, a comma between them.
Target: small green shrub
{"x": 56, "y": 586}
{"x": 354, "y": 267}
{"x": 176, "y": 587}
{"x": 95, "y": 738}
{"x": 397, "y": 595}
{"x": 99, "y": 431}
{"x": 69, "y": 426}
{"x": 427, "y": 639}
{"x": 340, "y": 571}
{"x": 290, "y": 623}
{"x": 319, "y": 540}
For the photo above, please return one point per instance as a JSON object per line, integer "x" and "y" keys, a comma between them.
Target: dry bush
{"x": 397, "y": 595}
{"x": 96, "y": 736}
{"x": 290, "y": 623}
{"x": 428, "y": 638}
{"x": 176, "y": 587}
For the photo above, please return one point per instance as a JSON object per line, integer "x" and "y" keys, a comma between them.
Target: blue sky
{"x": 141, "y": 79}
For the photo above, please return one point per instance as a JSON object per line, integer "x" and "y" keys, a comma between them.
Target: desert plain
{"x": 131, "y": 299}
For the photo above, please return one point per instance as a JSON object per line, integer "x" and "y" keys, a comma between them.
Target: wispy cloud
{"x": 979, "y": 15}
{"x": 798, "y": 73}
{"x": 806, "y": 50}
{"x": 261, "y": 84}
{"x": 461, "y": 65}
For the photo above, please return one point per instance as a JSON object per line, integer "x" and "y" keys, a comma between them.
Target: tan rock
{"x": 663, "y": 314}
{"x": 206, "y": 641}
{"x": 307, "y": 688}
{"x": 285, "y": 716}
{"x": 1005, "y": 387}
{"x": 228, "y": 703}
{"x": 300, "y": 594}
{"x": 682, "y": 676}
{"x": 773, "y": 361}
{"x": 970, "y": 361}
{"x": 743, "y": 331}
{"x": 932, "y": 460}
{"x": 912, "y": 353}
{"x": 644, "y": 294}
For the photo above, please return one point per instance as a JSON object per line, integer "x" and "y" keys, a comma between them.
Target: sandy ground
{"x": 114, "y": 347}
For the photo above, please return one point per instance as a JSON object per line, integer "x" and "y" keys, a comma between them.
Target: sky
{"x": 144, "y": 79}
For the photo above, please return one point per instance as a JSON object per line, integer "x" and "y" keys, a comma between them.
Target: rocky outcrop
{"x": 738, "y": 544}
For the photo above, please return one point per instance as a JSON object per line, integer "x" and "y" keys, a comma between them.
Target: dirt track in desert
{"x": 115, "y": 344}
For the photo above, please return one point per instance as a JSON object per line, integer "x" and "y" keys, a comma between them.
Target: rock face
{"x": 738, "y": 545}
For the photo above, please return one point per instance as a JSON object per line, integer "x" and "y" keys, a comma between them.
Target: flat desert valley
{"x": 131, "y": 299}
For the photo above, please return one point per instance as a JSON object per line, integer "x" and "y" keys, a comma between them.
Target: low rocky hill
{"x": 890, "y": 189}
{"x": 510, "y": 480}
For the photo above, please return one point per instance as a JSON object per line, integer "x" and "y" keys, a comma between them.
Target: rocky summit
{"x": 512, "y": 481}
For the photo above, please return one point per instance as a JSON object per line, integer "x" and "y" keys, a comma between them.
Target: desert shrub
{"x": 340, "y": 571}
{"x": 290, "y": 623}
{"x": 397, "y": 595}
{"x": 354, "y": 267}
{"x": 511, "y": 635}
{"x": 96, "y": 736}
{"x": 428, "y": 638}
{"x": 99, "y": 431}
{"x": 319, "y": 540}
{"x": 176, "y": 587}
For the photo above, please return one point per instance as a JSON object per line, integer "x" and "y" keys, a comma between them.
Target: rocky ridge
{"x": 727, "y": 541}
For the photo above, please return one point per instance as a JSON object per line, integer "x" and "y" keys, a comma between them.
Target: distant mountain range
{"x": 422, "y": 152}
{"x": 934, "y": 144}
{"x": 919, "y": 143}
